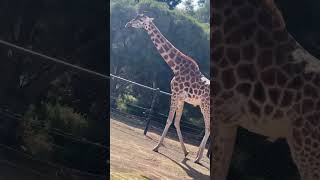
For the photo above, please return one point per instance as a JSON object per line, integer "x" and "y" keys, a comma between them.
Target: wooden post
{"x": 150, "y": 111}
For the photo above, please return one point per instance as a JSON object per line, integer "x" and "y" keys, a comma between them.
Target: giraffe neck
{"x": 171, "y": 55}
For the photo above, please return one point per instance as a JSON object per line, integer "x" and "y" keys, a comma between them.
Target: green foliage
{"x": 171, "y": 3}
{"x": 39, "y": 122}
{"x": 203, "y": 13}
{"x": 123, "y": 101}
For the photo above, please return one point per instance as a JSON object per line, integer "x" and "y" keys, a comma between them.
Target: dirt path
{"x": 132, "y": 156}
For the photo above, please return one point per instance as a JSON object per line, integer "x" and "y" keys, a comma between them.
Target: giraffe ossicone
{"x": 263, "y": 81}
{"x": 188, "y": 84}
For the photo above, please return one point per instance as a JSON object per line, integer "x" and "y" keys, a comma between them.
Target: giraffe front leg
{"x": 177, "y": 125}
{"x": 172, "y": 111}
{"x": 223, "y": 143}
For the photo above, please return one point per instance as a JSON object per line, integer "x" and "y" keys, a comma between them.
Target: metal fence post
{"x": 150, "y": 111}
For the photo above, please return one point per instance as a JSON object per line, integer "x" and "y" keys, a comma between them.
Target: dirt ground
{"x": 131, "y": 156}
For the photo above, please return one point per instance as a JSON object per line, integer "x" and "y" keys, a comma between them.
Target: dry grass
{"x": 132, "y": 157}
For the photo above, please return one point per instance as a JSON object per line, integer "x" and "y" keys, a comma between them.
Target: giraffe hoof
{"x": 197, "y": 161}
{"x": 155, "y": 149}
{"x": 186, "y": 154}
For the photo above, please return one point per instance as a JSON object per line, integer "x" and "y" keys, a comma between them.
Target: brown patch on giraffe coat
{"x": 172, "y": 55}
{"x": 268, "y": 109}
{"x": 274, "y": 95}
{"x": 166, "y": 47}
{"x": 245, "y": 12}
{"x": 224, "y": 63}
{"x": 297, "y": 137}
{"x": 248, "y": 52}
{"x": 307, "y": 128}
{"x": 254, "y": 108}
{"x": 296, "y": 83}
{"x": 171, "y": 63}
{"x": 236, "y": 3}
{"x": 185, "y": 72}
{"x": 233, "y": 54}
{"x": 278, "y": 114}
{"x": 268, "y": 77}
{"x": 307, "y": 106}
{"x": 265, "y": 19}
{"x": 259, "y": 93}
{"x": 298, "y": 122}
{"x": 316, "y": 80}
{"x": 247, "y": 72}
{"x": 263, "y": 39}
{"x": 231, "y": 22}
{"x": 281, "y": 35}
{"x": 228, "y": 78}
{"x": 310, "y": 91}
{"x": 308, "y": 76}
{"x": 178, "y": 59}
{"x": 313, "y": 119}
{"x": 216, "y": 88}
{"x": 235, "y": 37}
{"x": 161, "y": 50}
{"x": 281, "y": 78}
{"x": 244, "y": 88}
{"x": 287, "y": 98}
{"x": 265, "y": 59}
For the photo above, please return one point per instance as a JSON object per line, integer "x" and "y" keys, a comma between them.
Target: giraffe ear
{"x": 151, "y": 19}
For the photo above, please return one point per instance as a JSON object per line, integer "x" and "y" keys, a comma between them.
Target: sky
{"x": 181, "y": 6}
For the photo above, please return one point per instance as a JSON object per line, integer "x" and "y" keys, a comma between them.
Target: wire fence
{"x": 150, "y": 114}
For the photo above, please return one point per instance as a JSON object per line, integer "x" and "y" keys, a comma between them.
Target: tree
{"x": 171, "y": 3}
{"x": 203, "y": 13}
{"x": 189, "y": 8}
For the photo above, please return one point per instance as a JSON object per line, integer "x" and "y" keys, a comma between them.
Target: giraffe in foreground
{"x": 264, "y": 81}
{"x": 188, "y": 84}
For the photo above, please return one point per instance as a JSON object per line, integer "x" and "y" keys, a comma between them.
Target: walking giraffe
{"x": 264, "y": 81}
{"x": 188, "y": 84}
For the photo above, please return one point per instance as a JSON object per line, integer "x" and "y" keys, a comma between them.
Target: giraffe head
{"x": 140, "y": 21}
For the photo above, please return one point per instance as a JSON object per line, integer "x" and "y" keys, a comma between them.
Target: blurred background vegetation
{"x": 56, "y": 109}
{"x": 185, "y": 24}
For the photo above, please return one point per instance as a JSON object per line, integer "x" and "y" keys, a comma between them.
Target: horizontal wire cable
{"x": 54, "y": 59}
{"x": 141, "y": 85}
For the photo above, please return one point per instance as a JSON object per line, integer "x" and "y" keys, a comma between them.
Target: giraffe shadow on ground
{"x": 194, "y": 174}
